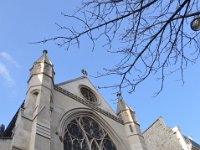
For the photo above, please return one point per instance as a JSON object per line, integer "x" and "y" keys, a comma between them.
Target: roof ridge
{"x": 71, "y": 80}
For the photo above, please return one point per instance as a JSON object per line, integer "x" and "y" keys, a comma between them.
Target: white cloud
{"x": 5, "y": 74}
{"x": 9, "y": 59}
{"x": 7, "y": 62}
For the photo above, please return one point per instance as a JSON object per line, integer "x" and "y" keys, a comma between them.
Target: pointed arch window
{"x": 83, "y": 133}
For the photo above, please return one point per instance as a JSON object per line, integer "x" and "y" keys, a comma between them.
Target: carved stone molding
{"x": 90, "y": 105}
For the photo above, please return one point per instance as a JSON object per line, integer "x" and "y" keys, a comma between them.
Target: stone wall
{"x": 5, "y": 143}
{"x": 159, "y": 137}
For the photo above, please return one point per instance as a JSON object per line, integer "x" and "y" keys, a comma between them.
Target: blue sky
{"x": 23, "y": 21}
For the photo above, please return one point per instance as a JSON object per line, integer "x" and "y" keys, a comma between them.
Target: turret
{"x": 131, "y": 126}
{"x": 40, "y": 83}
{"x": 33, "y": 122}
{"x": 42, "y": 69}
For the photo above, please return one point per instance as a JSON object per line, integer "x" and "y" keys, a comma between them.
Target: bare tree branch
{"x": 155, "y": 37}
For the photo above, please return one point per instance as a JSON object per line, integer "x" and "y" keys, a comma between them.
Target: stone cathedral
{"x": 71, "y": 115}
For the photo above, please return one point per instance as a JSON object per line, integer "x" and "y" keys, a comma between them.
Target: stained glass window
{"x": 88, "y": 94}
{"x": 83, "y": 133}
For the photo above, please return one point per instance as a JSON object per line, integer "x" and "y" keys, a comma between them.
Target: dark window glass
{"x": 88, "y": 94}
{"x": 83, "y": 133}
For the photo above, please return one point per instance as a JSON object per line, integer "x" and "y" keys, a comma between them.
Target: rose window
{"x": 88, "y": 94}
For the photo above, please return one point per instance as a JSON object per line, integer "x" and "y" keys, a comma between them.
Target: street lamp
{"x": 195, "y": 24}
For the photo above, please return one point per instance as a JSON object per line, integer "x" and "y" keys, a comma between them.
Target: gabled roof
{"x": 186, "y": 139}
{"x": 160, "y": 119}
{"x": 69, "y": 81}
{"x": 71, "y": 88}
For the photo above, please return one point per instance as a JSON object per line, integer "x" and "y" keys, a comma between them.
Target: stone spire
{"x": 131, "y": 126}
{"x": 44, "y": 58}
{"x": 42, "y": 65}
{"x": 121, "y": 105}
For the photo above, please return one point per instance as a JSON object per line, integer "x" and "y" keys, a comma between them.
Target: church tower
{"x": 71, "y": 115}
{"x": 32, "y": 127}
{"x": 131, "y": 126}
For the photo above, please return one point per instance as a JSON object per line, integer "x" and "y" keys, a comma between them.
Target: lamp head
{"x": 195, "y": 24}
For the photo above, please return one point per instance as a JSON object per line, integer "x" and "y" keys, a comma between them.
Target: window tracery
{"x": 83, "y": 133}
{"x": 88, "y": 94}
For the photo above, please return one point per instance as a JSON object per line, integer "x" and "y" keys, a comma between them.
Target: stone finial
{"x": 45, "y": 51}
{"x": 44, "y": 58}
{"x": 119, "y": 95}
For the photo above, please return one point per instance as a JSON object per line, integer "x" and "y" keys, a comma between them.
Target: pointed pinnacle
{"x": 45, "y": 51}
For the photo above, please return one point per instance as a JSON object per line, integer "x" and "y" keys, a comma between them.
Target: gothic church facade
{"x": 69, "y": 116}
